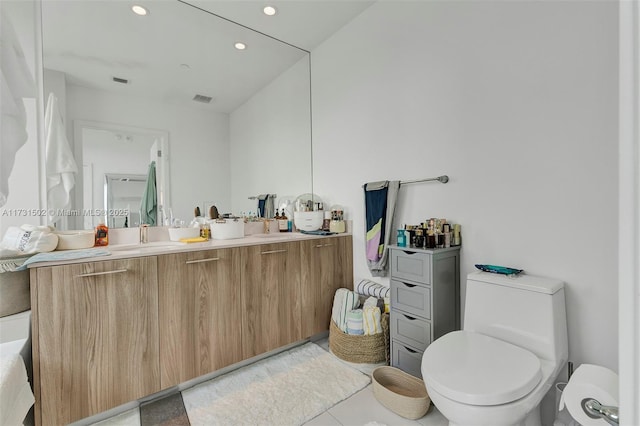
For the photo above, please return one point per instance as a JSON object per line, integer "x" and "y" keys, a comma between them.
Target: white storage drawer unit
{"x": 425, "y": 301}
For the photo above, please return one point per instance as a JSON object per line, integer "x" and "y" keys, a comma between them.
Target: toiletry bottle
{"x": 102, "y": 235}
{"x": 282, "y": 222}
{"x": 326, "y": 221}
{"x": 402, "y": 242}
{"x": 205, "y": 230}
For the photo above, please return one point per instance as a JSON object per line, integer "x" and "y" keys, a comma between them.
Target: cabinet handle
{"x": 95, "y": 274}
{"x": 409, "y": 252}
{"x": 211, "y": 259}
{"x": 410, "y": 350}
{"x": 323, "y": 245}
{"x": 409, "y": 285}
{"x": 273, "y": 251}
{"x": 408, "y": 317}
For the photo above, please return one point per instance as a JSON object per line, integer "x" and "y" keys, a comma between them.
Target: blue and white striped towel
{"x": 371, "y": 288}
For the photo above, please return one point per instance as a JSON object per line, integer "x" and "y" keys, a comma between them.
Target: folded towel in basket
{"x": 354, "y": 322}
{"x": 344, "y": 300}
{"x": 371, "y": 320}
{"x": 373, "y": 301}
{"x": 371, "y": 288}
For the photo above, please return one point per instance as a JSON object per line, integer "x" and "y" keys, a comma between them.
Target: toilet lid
{"x": 476, "y": 369}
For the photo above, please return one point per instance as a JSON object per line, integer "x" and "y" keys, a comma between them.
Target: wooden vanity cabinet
{"x": 327, "y": 266}
{"x": 95, "y": 337}
{"x": 270, "y": 297}
{"x": 200, "y": 313}
{"x": 109, "y": 332}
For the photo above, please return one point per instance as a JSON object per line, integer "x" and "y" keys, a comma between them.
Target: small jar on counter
{"x": 418, "y": 239}
{"x": 102, "y": 235}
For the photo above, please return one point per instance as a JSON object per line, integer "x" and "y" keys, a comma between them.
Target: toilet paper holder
{"x": 595, "y": 410}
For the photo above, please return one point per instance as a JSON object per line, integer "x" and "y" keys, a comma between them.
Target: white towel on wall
{"x": 16, "y": 83}
{"x": 60, "y": 164}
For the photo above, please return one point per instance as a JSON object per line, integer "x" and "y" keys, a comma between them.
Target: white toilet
{"x": 513, "y": 344}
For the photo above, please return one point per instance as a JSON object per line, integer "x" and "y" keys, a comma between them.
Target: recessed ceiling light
{"x": 240, "y": 46}
{"x": 139, "y": 10}
{"x": 269, "y": 10}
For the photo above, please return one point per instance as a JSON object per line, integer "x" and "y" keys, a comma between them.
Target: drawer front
{"x": 406, "y": 358}
{"x": 407, "y": 265}
{"x": 413, "y": 331}
{"x": 411, "y": 298}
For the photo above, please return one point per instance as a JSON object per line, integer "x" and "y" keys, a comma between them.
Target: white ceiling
{"x": 303, "y": 23}
{"x": 94, "y": 41}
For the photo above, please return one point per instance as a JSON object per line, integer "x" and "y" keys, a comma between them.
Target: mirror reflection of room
{"x": 231, "y": 124}
{"x": 114, "y": 167}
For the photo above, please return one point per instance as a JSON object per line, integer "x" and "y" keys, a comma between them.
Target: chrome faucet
{"x": 144, "y": 233}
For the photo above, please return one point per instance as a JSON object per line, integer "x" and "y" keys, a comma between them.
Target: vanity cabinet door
{"x": 200, "y": 313}
{"x": 95, "y": 337}
{"x": 270, "y": 297}
{"x": 327, "y": 265}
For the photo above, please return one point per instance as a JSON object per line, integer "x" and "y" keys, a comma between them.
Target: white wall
{"x": 270, "y": 141}
{"x": 517, "y": 103}
{"x": 198, "y": 142}
{"x": 629, "y": 213}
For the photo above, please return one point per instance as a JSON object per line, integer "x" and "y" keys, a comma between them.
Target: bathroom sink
{"x": 145, "y": 247}
{"x": 282, "y": 236}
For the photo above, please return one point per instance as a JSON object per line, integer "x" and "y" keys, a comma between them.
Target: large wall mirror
{"x": 222, "y": 124}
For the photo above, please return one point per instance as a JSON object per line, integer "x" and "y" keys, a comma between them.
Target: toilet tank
{"x": 525, "y": 310}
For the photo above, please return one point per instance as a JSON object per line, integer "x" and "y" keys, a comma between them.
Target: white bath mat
{"x": 286, "y": 389}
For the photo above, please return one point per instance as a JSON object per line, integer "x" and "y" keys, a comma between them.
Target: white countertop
{"x": 154, "y": 248}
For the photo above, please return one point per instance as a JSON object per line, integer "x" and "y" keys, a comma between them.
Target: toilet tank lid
{"x": 521, "y": 281}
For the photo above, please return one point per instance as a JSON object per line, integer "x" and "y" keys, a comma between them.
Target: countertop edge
{"x": 128, "y": 251}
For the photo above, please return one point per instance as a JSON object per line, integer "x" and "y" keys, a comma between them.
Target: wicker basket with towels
{"x": 359, "y": 335}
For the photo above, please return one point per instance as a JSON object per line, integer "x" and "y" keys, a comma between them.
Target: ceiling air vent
{"x": 202, "y": 98}
{"x": 120, "y": 80}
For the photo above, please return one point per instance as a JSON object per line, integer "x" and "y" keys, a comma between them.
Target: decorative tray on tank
{"x": 502, "y": 270}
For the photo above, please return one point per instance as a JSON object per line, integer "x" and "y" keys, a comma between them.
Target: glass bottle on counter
{"x": 283, "y": 222}
{"x": 102, "y": 235}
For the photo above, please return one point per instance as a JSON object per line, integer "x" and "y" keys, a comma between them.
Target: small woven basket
{"x": 361, "y": 348}
{"x": 400, "y": 392}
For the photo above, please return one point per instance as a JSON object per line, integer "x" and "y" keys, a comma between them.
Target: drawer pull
{"x": 409, "y": 285}
{"x": 408, "y": 317}
{"x": 323, "y": 245}
{"x": 211, "y": 259}
{"x": 410, "y": 350}
{"x": 95, "y": 274}
{"x": 409, "y": 252}
{"x": 273, "y": 251}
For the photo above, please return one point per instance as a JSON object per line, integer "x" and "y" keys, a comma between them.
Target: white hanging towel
{"x": 60, "y": 164}
{"x": 16, "y": 81}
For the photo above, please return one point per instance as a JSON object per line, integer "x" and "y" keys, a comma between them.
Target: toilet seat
{"x": 476, "y": 369}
